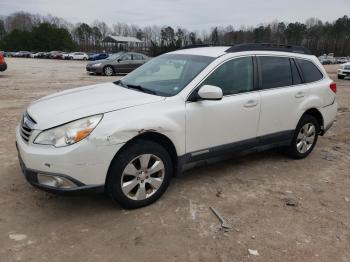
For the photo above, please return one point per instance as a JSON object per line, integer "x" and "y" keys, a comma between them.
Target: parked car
{"x": 342, "y": 60}
{"x": 37, "y": 55}
{"x": 344, "y": 71}
{"x": 65, "y": 56}
{"x": 129, "y": 137}
{"x": 3, "y": 65}
{"x": 98, "y": 56}
{"x": 119, "y": 63}
{"x": 78, "y": 56}
{"x": 25, "y": 54}
{"x": 55, "y": 54}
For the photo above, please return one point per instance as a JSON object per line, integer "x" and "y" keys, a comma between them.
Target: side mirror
{"x": 209, "y": 92}
{"x": 119, "y": 59}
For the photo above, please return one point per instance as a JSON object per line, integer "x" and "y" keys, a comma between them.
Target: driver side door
{"x": 213, "y": 127}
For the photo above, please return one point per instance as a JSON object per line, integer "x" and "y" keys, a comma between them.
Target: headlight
{"x": 96, "y": 65}
{"x": 69, "y": 133}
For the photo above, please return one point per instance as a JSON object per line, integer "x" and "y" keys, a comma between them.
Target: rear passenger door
{"x": 282, "y": 97}
{"x": 137, "y": 60}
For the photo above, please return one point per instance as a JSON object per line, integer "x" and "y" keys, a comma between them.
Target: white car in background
{"x": 78, "y": 56}
{"x": 344, "y": 70}
{"x": 128, "y": 138}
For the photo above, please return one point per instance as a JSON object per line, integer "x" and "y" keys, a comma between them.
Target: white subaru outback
{"x": 128, "y": 138}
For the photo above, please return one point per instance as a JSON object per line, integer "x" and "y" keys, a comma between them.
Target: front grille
{"x": 27, "y": 125}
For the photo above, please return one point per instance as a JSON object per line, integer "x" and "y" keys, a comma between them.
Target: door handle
{"x": 300, "y": 94}
{"x": 251, "y": 103}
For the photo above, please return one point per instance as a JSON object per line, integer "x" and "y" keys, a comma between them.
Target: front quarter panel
{"x": 166, "y": 117}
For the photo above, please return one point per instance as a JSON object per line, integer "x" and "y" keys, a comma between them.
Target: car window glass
{"x": 295, "y": 73}
{"x": 126, "y": 57}
{"x": 137, "y": 57}
{"x": 233, "y": 77}
{"x": 275, "y": 72}
{"x": 168, "y": 74}
{"x": 310, "y": 71}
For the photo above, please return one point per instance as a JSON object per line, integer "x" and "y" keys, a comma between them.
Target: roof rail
{"x": 269, "y": 47}
{"x": 194, "y": 46}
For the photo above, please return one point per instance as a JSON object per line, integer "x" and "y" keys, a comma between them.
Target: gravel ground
{"x": 286, "y": 210}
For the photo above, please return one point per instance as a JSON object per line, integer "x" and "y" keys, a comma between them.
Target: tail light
{"x": 333, "y": 87}
{"x": 2, "y": 58}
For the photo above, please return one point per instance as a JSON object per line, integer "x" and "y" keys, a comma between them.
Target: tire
{"x": 125, "y": 170}
{"x": 304, "y": 142}
{"x": 108, "y": 71}
{"x": 341, "y": 77}
{"x": 84, "y": 58}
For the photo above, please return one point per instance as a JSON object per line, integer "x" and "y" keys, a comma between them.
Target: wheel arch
{"x": 156, "y": 137}
{"x": 316, "y": 114}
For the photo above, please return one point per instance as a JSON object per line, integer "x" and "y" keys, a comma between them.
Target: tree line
{"x": 25, "y": 31}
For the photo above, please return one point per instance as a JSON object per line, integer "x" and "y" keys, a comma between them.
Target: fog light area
{"x": 55, "y": 181}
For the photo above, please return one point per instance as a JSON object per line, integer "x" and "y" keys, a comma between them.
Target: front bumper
{"x": 96, "y": 70}
{"x": 3, "y": 67}
{"x": 85, "y": 163}
{"x": 343, "y": 72}
{"x": 32, "y": 177}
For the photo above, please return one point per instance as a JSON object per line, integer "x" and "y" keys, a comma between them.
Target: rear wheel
{"x": 108, "y": 70}
{"x": 305, "y": 137}
{"x": 140, "y": 174}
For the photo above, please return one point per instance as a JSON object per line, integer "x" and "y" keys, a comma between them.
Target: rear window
{"x": 275, "y": 72}
{"x": 310, "y": 72}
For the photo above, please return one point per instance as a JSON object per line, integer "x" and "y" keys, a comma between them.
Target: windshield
{"x": 114, "y": 56}
{"x": 166, "y": 75}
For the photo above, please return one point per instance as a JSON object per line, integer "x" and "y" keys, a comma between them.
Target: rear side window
{"x": 310, "y": 72}
{"x": 275, "y": 72}
{"x": 137, "y": 57}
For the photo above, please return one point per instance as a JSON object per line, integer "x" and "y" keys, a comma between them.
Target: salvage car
{"x": 344, "y": 71}
{"x": 128, "y": 138}
{"x": 119, "y": 63}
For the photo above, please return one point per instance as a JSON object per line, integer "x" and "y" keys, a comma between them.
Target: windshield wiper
{"x": 120, "y": 82}
{"x": 141, "y": 88}
{"x": 136, "y": 87}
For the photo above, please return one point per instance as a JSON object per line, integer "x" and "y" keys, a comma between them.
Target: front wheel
{"x": 305, "y": 137}
{"x": 108, "y": 70}
{"x": 140, "y": 174}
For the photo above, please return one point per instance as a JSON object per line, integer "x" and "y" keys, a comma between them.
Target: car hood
{"x": 66, "y": 106}
{"x": 103, "y": 61}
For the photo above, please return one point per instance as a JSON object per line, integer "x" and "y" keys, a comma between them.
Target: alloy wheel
{"x": 306, "y": 138}
{"x": 142, "y": 177}
{"x": 108, "y": 71}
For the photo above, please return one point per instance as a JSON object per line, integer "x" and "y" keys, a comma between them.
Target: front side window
{"x": 310, "y": 71}
{"x": 233, "y": 77}
{"x": 168, "y": 74}
{"x": 275, "y": 72}
{"x": 126, "y": 57}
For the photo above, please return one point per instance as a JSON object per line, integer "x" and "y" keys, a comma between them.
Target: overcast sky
{"x": 192, "y": 14}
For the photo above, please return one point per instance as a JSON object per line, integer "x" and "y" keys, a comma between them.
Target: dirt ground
{"x": 286, "y": 210}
